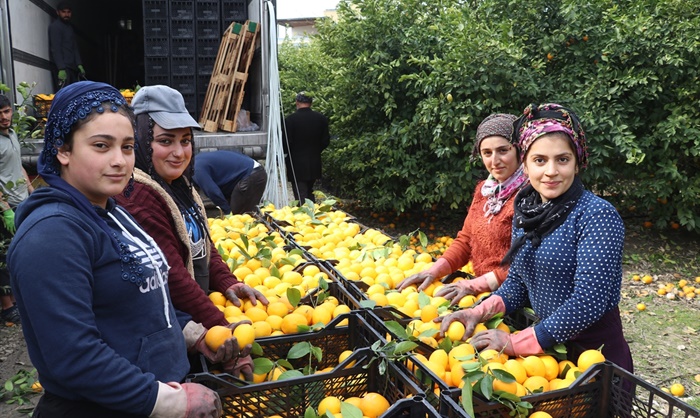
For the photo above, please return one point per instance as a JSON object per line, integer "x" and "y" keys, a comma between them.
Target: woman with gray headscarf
{"x": 485, "y": 235}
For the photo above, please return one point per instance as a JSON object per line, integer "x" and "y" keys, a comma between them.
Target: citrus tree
{"x": 407, "y": 82}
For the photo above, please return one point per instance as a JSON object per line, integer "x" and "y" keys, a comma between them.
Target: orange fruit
{"x": 216, "y": 336}
{"x": 277, "y": 308}
{"x": 217, "y": 298}
{"x": 428, "y": 313}
{"x": 275, "y": 322}
{"x": 373, "y": 405}
{"x": 329, "y": 404}
{"x": 291, "y": 322}
{"x": 354, "y": 401}
{"x": 455, "y": 332}
{"x": 589, "y": 358}
{"x": 492, "y": 355}
{"x": 440, "y": 357}
{"x": 677, "y": 390}
{"x": 563, "y": 366}
{"x": 534, "y": 366}
{"x": 262, "y": 329}
{"x": 551, "y": 367}
{"x": 515, "y": 368}
{"x": 321, "y": 315}
{"x": 540, "y": 414}
{"x": 345, "y": 354}
{"x": 307, "y": 311}
{"x": 461, "y": 353}
{"x": 534, "y": 383}
{"x": 245, "y": 334}
{"x": 256, "y": 313}
{"x": 511, "y": 387}
{"x": 478, "y": 328}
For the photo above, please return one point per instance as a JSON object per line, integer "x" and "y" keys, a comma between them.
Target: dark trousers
{"x": 53, "y": 406}
{"x": 303, "y": 189}
{"x": 248, "y": 192}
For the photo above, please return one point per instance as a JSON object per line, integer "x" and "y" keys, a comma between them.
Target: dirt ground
{"x": 664, "y": 337}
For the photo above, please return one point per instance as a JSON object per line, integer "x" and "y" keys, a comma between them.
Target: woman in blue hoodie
{"x": 91, "y": 285}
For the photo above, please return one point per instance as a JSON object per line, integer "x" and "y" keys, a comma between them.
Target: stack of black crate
{"x": 182, "y": 39}
{"x": 156, "y": 43}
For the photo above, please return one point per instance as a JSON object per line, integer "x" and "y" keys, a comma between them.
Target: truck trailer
{"x": 132, "y": 43}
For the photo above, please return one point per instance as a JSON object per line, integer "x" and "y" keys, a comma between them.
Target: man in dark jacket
{"x": 306, "y": 135}
{"x": 63, "y": 48}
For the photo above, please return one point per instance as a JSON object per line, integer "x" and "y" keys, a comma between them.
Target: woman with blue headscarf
{"x": 91, "y": 285}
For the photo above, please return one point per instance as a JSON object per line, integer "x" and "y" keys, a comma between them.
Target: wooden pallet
{"x": 229, "y": 122}
{"x": 219, "y": 89}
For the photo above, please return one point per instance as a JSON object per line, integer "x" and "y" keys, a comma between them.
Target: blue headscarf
{"x": 70, "y": 105}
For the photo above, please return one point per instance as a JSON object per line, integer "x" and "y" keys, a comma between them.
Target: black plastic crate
{"x": 183, "y": 84}
{"x": 190, "y": 102}
{"x": 183, "y": 29}
{"x": 182, "y": 9}
{"x": 156, "y": 29}
{"x": 208, "y": 29}
{"x": 291, "y": 397}
{"x": 416, "y": 407}
{"x": 208, "y": 47}
{"x": 605, "y": 390}
{"x": 205, "y": 65}
{"x": 156, "y": 47}
{"x": 182, "y": 66}
{"x": 234, "y": 11}
{"x": 207, "y": 10}
{"x": 182, "y": 47}
{"x": 155, "y": 9}
{"x": 156, "y": 65}
{"x": 153, "y": 79}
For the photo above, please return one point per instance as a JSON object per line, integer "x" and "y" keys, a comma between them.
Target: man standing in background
{"x": 14, "y": 189}
{"x": 63, "y": 48}
{"x": 305, "y": 136}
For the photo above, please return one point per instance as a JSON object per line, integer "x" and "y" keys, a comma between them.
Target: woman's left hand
{"x": 494, "y": 339}
{"x": 243, "y": 291}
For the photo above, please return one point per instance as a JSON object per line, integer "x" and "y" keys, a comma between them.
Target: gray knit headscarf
{"x": 498, "y": 124}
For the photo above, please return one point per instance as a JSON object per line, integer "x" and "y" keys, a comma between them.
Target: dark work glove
{"x": 242, "y": 365}
{"x": 227, "y": 351}
{"x": 243, "y": 291}
{"x": 202, "y": 402}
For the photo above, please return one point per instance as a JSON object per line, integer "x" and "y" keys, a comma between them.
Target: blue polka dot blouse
{"x": 574, "y": 276}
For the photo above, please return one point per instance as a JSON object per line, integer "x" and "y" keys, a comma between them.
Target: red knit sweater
{"x": 483, "y": 240}
{"x": 150, "y": 210}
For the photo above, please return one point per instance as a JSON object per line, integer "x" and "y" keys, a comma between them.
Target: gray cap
{"x": 165, "y": 106}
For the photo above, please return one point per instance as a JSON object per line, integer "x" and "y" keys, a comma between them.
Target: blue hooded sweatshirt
{"x": 99, "y": 328}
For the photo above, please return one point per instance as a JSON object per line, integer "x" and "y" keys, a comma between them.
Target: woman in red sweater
{"x": 171, "y": 211}
{"x": 486, "y": 233}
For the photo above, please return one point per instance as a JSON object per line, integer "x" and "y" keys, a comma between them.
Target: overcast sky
{"x": 289, "y": 9}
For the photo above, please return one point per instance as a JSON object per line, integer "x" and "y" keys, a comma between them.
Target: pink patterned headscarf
{"x": 538, "y": 120}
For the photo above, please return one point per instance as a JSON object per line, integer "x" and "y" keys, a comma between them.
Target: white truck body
{"x": 24, "y": 56}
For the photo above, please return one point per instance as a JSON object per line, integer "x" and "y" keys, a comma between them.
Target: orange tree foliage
{"x": 629, "y": 69}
